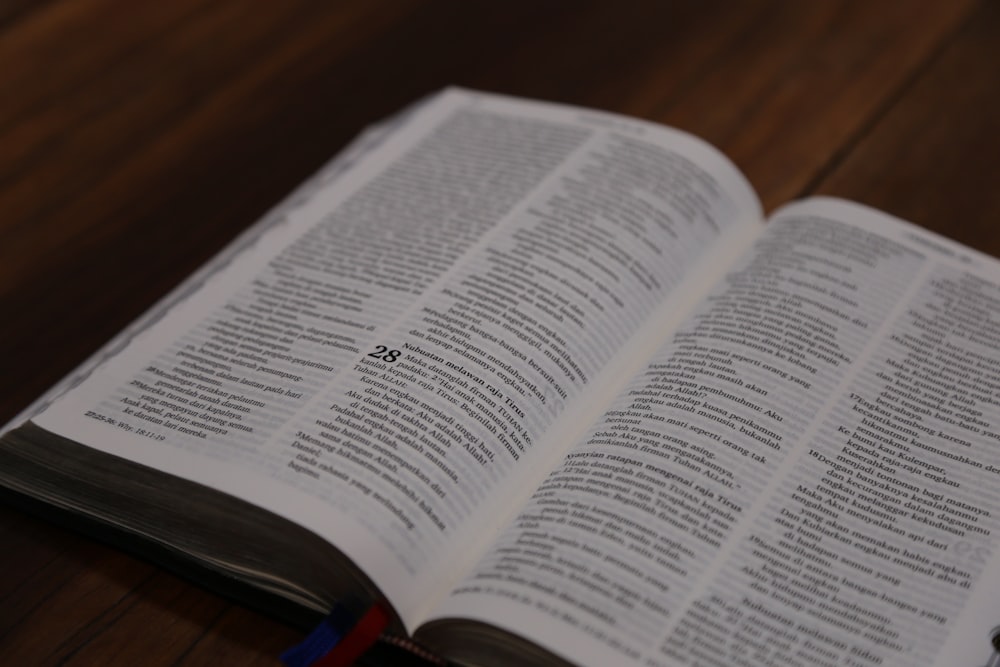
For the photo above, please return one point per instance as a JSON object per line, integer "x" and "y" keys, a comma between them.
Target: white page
{"x": 662, "y": 539}
{"x": 335, "y": 168}
{"x": 294, "y": 378}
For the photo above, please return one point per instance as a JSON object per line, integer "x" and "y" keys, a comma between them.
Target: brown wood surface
{"x": 136, "y": 138}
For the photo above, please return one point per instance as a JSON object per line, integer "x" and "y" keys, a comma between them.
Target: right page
{"x": 805, "y": 474}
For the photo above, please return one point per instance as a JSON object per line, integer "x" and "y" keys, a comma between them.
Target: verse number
{"x": 385, "y": 354}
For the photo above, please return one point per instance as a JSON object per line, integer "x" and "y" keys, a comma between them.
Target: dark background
{"x": 137, "y": 138}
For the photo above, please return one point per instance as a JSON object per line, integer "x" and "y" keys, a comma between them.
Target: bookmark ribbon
{"x": 339, "y": 640}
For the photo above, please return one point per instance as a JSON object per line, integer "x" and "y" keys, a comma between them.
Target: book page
{"x": 335, "y": 168}
{"x": 382, "y": 364}
{"x": 806, "y": 474}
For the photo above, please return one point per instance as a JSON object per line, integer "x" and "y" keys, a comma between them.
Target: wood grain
{"x": 934, "y": 156}
{"x": 137, "y": 138}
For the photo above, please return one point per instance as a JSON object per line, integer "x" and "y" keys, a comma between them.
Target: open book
{"x": 542, "y": 380}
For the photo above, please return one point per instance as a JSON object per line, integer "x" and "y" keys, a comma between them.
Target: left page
{"x": 388, "y": 363}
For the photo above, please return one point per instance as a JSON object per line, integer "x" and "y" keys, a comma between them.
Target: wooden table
{"x": 136, "y": 138}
